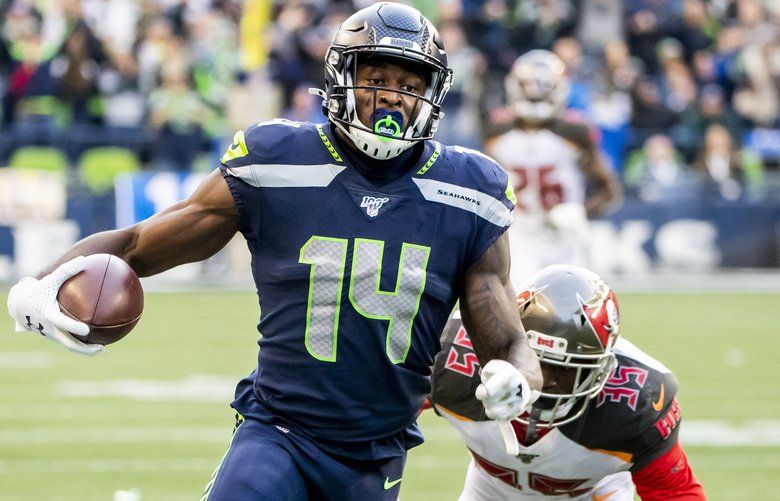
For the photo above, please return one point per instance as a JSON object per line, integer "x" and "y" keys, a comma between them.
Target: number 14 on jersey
{"x": 327, "y": 257}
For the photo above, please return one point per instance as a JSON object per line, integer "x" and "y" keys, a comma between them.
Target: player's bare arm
{"x": 188, "y": 231}
{"x": 603, "y": 184}
{"x": 489, "y": 310}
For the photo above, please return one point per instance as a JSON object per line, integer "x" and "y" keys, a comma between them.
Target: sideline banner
{"x": 694, "y": 234}
{"x": 142, "y": 195}
{"x": 687, "y": 236}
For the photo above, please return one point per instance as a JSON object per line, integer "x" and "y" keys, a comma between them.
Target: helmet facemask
{"x": 384, "y": 137}
{"x": 397, "y": 34}
{"x": 590, "y": 375}
{"x": 572, "y": 324}
{"x": 537, "y": 87}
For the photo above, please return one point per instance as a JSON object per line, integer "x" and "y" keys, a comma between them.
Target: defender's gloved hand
{"x": 568, "y": 218}
{"x": 504, "y": 391}
{"x": 33, "y": 305}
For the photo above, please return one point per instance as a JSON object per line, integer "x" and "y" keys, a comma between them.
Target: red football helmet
{"x": 572, "y": 320}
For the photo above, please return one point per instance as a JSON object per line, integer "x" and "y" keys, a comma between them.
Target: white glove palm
{"x": 569, "y": 218}
{"x": 504, "y": 391}
{"x": 33, "y": 305}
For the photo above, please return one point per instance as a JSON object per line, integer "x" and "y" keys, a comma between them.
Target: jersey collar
{"x": 429, "y": 156}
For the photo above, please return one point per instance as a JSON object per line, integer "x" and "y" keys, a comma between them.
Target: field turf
{"x": 151, "y": 413}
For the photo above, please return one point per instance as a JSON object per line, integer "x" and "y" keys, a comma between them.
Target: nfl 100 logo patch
{"x": 373, "y": 204}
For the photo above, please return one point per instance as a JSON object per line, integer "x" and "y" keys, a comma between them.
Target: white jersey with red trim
{"x": 543, "y": 167}
{"x": 555, "y": 467}
{"x": 632, "y": 422}
{"x": 550, "y": 224}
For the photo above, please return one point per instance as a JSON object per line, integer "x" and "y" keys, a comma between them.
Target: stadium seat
{"x": 99, "y": 166}
{"x": 204, "y": 162}
{"x": 39, "y": 157}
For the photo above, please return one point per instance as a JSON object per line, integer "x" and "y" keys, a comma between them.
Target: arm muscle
{"x": 489, "y": 311}
{"x": 188, "y": 231}
{"x": 605, "y": 187}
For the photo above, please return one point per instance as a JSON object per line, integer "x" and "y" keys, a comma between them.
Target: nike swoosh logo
{"x": 659, "y": 404}
{"x": 234, "y": 146}
{"x": 604, "y": 497}
{"x": 389, "y": 484}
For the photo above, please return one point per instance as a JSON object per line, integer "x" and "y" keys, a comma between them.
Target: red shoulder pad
{"x": 573, "y": 128}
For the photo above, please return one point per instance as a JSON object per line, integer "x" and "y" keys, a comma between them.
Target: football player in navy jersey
{"x": 606, "y": 424}
{"x": 363, "y": 233}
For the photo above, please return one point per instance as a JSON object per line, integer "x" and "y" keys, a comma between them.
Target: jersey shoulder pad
{"x": 495, "y": 131}
{"x": 456, "y": 374}
{"x": 655, "y": 383}
{"x": 575, "y": 131}
{"x": 637, "y": 411}
{"x": 269, "y": 142}
{"x": 472, "y": 169}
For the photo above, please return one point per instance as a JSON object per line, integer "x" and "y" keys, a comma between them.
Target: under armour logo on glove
{"x": 31, "y": 326}
{"x": 33, "y": 305}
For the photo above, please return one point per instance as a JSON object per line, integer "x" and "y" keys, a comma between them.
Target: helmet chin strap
{"x": 539, "y": 111}
{"x": 562, "y": 410}
{"x": 533, "y": 418}
{"x": 368, "y": 143}
{"x": 372, "y": 144}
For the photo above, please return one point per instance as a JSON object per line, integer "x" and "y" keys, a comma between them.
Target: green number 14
{"x": 328, "y": 258}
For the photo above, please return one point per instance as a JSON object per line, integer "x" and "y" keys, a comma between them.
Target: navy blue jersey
{"x": 355, "y": 283}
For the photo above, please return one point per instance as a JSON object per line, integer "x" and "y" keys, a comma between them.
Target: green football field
{"x": 151, "y": 413}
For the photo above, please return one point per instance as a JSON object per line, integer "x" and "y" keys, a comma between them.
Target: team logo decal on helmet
{"x": 398, "y": 33}
{"x": 572, "y": 321}
{"x": 602, "y": 314}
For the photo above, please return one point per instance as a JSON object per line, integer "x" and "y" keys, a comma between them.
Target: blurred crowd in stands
{"x": 677, "y": 90}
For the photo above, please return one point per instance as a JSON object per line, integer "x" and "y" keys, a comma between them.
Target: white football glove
{"x": 504, "y": 391}
{"x": 33, "y": 305}
{"x": 569, "y": 218}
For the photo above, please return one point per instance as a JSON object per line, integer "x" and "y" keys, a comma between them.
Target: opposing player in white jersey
{"x": 558, "y": 173}
{"x": 607, "y": 420}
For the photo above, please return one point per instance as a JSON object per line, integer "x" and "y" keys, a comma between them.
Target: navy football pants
{"x": 267, "y": 462}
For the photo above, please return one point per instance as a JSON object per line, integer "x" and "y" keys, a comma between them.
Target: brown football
{"x": 107, "y": 296}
